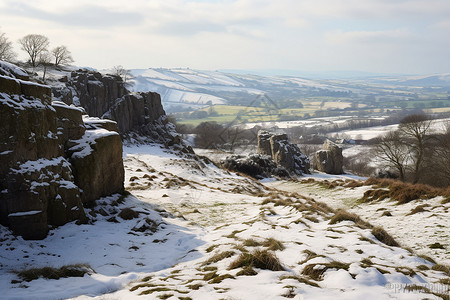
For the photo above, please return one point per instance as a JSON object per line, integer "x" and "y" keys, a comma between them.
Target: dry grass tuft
{"x": 261, "y": 259}
{"x": 273, "y": 244}
{"x": 418, "y": 209}
{"x": 343, "y": 215}
{"x": 247, "y": 271}
{"x": 373, "y": 195}
{"x": 384, "y": 237}
{"x": 218, "y": 257}
{"x": 251, "y": 243}
{"x": 403, "y": 192}
{"x": 316, "y": 271}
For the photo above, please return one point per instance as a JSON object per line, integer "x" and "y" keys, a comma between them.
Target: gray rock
{"x": 329, "y": 159}
{"x": 40, "y": 182}
{"x": 283, "y": 152}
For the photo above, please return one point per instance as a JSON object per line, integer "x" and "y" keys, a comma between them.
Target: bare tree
{"x": 34, "y": 45}
{"x": 394, "y": 152}
{"x": 415, "y": 131}
{"x": 442, "y": 157}
{"x": 6, "y": 50}
{"x": 124, "y": 74}
{"x": 62, "y": 56}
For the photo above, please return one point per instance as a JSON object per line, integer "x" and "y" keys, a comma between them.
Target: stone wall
{"x": 51, "y": 162}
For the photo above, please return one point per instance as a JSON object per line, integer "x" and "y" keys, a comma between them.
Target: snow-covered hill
{"x": 196, "y": 231}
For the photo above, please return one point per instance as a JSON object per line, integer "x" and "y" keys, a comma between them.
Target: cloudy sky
{"x": 387, "y": 36}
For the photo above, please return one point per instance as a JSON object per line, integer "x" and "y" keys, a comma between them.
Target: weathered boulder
{"x": 283, "y": 153}
{"x": 97, "y": 164}
{"x": 256, "y": 165}
{"x": 329, "y": 159}
{"x": 40, "y": 193}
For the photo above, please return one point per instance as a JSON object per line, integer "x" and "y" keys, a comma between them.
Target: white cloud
{"x": 291, "y": 34}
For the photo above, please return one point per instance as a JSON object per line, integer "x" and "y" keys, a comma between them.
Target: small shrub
{"x": 78, "y": 270}
{"x": 384, "y": 237}
{"x": 261, "y": 259}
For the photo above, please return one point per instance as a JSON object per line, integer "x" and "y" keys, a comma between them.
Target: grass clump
{"x": 436, "y": 246}
{"x": 441, "y": 268}
{"x": 273, "y": 244}
{"x": 373, "y": 195}
{"x": 384, "y": 237}
{"x": 343, "y": 215}
{"x": 404, "y": 192}
{"x": 316, "y": 271}
{"x": 157, "y": 289}
{"x": 247, "y": 271}
{"x": 78, "y": 270}
{"x": 261, "y": 259}
{"x": 195, "y": 287}
{"x": 218, "y": 257}
{"x": 300, "y": 279}
{"x": 220, "y": 278}
{"x": 418, "y": 209}
{"x": 142, "y": 285}
{"x": 251, "y": 243}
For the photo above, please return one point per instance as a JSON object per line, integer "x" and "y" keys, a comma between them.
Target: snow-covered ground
{"x": 194, "y": 223}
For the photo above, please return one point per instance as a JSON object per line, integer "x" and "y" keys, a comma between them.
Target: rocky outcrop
{"x": 105, "y": 96}
{"x": 329, "y": 159}
{"x": 257, "y": 166}
{"x": 285, "y": 154}
{"x": 51, "y": 162}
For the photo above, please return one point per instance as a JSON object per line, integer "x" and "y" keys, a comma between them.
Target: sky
{"x": 381, "y": 36}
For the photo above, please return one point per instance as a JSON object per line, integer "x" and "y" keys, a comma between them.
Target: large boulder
{"x": 285, "y": 154}
{"x": 97, "y": 164}
{"x": 329, "y": 159}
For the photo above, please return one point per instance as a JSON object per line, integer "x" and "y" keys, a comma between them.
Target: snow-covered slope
{"x": 197, "y": 235}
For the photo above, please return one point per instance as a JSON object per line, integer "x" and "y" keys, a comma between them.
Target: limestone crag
{"x": 105, "y": 96}
{"x": 329, "y": 159}
{"x": 285, "y": 154}
{"x": 44, "y": 150}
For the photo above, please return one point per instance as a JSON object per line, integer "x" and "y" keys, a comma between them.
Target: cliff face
{"x": 105, "y": 96}
{"x": 52, "y": 159}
